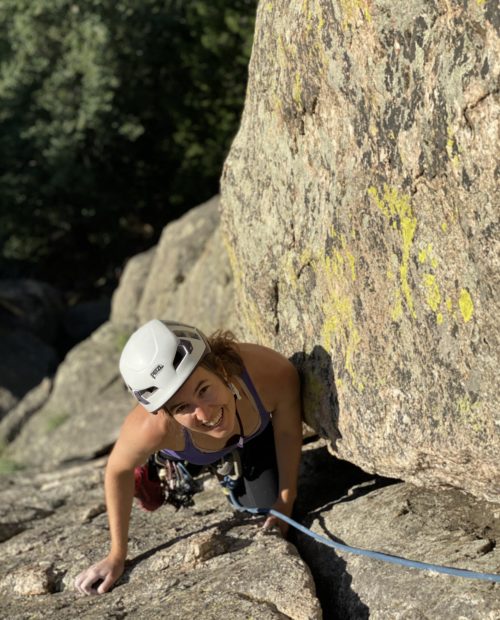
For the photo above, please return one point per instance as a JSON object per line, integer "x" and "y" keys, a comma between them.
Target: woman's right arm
{"x": 119, "y": 489}
{"x": 119, "y": 486}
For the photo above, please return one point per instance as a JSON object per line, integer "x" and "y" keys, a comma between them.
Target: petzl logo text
{"x": 156, "y": 371}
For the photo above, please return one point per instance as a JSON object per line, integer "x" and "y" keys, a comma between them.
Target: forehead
{"x": 189, "y": 387}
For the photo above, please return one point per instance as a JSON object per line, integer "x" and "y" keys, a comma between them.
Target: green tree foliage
{"x": 115, "y": 117}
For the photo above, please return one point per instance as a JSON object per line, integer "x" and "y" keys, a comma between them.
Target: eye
{"x": 181, "y": 409}
{"x": 205, "y": 391}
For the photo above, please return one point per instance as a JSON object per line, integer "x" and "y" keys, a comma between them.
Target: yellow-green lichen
{"x": 466, "y": 305}
{"x": 351, "y": 9}
{"x": 334, "y": 274}
{"x": 397, "y": 310}
{"x": 290, "y": 272}
{"x": 433, "y": 295}
{"x": 427, "y": 254}
{"x": 308, "y": 12}
{"x": 444, "y": 227}
{"x": 432, "y": 291}
{"x": 397, "y": 210}
{"x": 233, "y": 261}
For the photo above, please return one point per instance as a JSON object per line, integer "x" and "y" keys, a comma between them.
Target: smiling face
{"x": 204, "y": 404}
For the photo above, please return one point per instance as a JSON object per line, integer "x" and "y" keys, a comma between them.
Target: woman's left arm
{"x": 287, "y": 428}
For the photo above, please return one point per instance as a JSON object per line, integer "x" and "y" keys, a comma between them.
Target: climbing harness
{"x": 177, "y": 482}
{"x": 165, "y": 481}
{"x": 376, "y": 555}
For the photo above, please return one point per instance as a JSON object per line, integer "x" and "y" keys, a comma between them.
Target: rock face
{"x": 418, "y": 524}
{"x": 447, "y": 528}
{"x": 198, "y": 562}
{"x": 85, "y": 409}
{"x": 187, "y": 276}
{"x": 360, "y": 206}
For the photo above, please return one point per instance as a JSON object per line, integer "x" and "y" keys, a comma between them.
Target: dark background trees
{"x": 115, "y": 117}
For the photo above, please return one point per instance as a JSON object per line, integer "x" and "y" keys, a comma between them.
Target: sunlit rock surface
{"x": 203, "y": 561}
{"x": 360, "y": 209}
{"x": 439, "y": 528}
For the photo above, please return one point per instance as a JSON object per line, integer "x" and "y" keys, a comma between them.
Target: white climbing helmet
{"x": 158, "y": 358}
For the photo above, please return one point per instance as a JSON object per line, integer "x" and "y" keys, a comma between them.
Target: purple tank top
{"x": 194, "y": 455}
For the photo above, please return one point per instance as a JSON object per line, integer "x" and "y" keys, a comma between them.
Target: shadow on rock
{"x": 323, "y": 482}
{"x": 319, "y": 391}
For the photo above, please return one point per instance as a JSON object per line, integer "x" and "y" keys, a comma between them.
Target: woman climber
{"x": 200, "y": 400}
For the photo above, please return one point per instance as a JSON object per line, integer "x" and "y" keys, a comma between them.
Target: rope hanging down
{"x": 376, "y": 555}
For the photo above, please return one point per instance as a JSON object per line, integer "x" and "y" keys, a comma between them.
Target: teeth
{"x": 212, "y": 424}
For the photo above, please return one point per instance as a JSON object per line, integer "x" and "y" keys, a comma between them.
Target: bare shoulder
{"x": 273, "y": 375}
{"x": 141, "y": 434}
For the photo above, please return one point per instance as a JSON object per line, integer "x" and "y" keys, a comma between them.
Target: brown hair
{"x": 223, "y": 356}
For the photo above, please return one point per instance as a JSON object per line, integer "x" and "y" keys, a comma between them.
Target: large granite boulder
{"x": 203, "y": 561}
{"x": 360, "y": 204}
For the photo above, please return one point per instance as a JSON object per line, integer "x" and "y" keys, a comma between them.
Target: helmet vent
{"x": 143, "y": 395}
{"x": 180, "y": 354}
{"x": 184, "y": 348}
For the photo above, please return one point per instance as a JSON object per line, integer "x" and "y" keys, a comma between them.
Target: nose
{"x": 202, "y": 413}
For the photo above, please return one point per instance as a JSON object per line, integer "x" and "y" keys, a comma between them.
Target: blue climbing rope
{"x": 376, "y": 555}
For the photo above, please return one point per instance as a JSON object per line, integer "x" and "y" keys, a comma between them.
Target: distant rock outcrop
{"x": 186, "y": 277}
{"x": 360, "y": 206}
{"x": 30, "y": 312}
